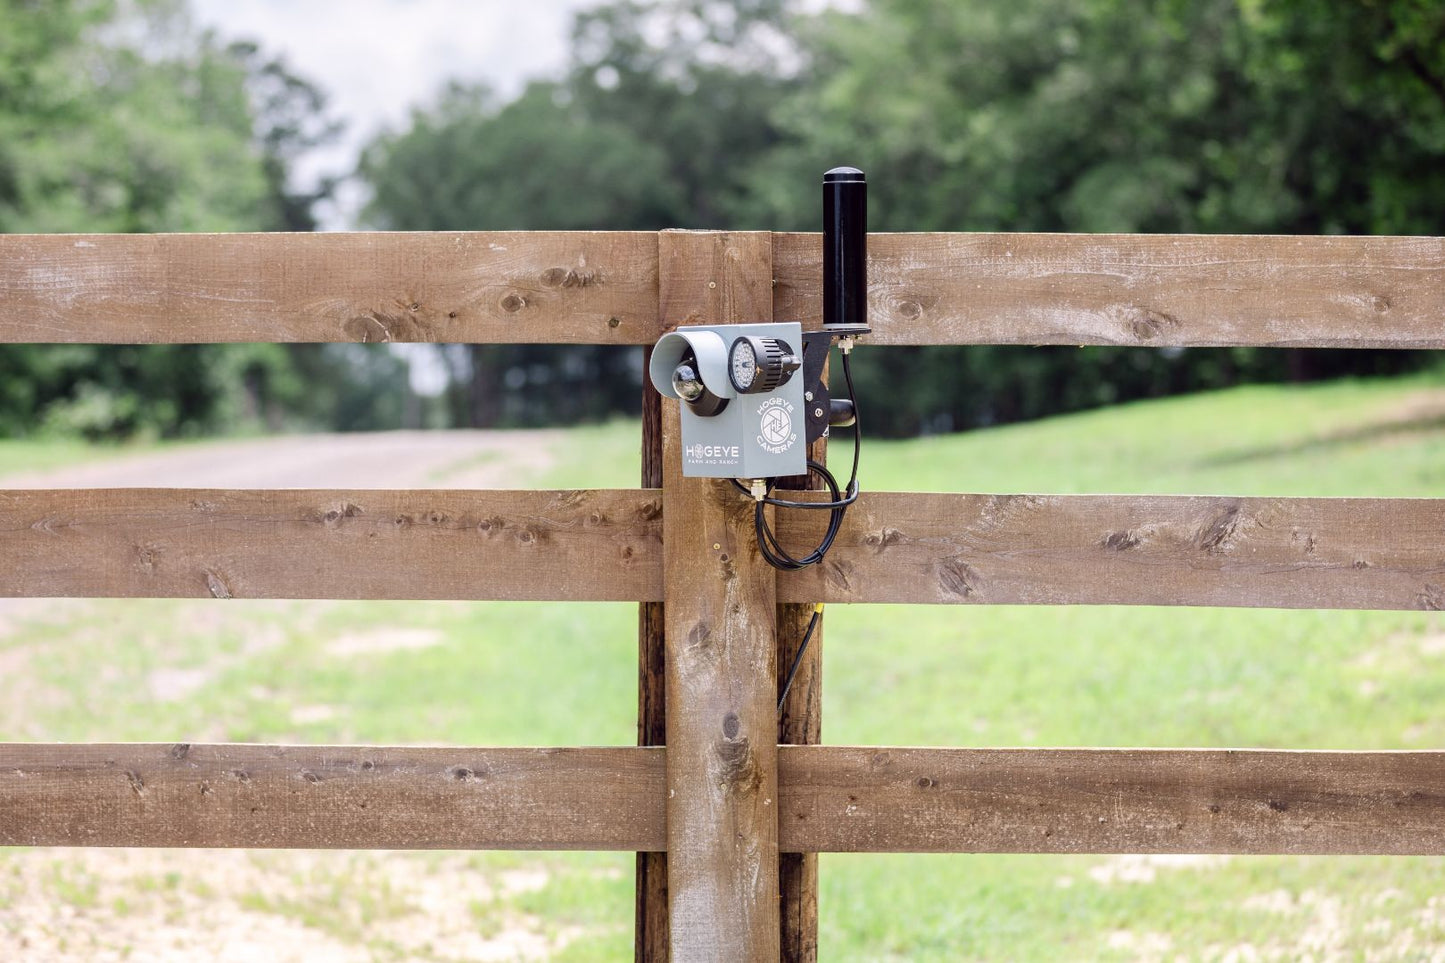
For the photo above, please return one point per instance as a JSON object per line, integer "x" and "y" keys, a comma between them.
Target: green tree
{"x": 662, "y": 113}
{"x": 699, "y": 79}
{"x": 122, "y": 117}
{"x": 99, "y": 134}
{"x": 290, "y": 118}
{"x": 1250, "y": 116}
{"x": 540, "y": 162}
{"x": 1288, "y": 116}
{"x": 536, "y": 163}
{"x": 1294, "y": 116}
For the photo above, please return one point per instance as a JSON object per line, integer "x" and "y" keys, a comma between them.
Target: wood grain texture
{"x": 178, "y": 543}
{"x": 718, "y": 593}
{"x": 800, "y": 722}
{"x": 330, "y": 797}
{"x": 539, "y": 286}
{"x": 832, "y": 799}
{"x": 651, "y": 938}
{"x": 601, "y": 288}
{"x": 1346, "y": 553}
{"x": 1334, "y": 553}
{"x": 857, "y": 799}
{"x": 1147, "y": 289}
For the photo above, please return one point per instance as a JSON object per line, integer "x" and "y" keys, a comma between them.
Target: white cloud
{"x": 379, "y": 58}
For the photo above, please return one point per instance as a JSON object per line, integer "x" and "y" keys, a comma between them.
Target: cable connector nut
{"x": 759, "y": 489}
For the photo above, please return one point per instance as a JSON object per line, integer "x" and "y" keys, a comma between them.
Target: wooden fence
{"x": 723, "y": 816}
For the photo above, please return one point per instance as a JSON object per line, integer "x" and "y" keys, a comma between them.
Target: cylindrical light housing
{"x": 845, "y": 247}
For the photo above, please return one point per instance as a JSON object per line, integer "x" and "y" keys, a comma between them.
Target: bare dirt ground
{"x": 392, "y": 459}
{"x": 94, "y": 904}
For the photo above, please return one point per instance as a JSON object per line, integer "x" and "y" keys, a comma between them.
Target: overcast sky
{"x": 378, "y": 58}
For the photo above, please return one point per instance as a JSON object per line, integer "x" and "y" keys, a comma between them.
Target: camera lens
{"x": 687, "y": 382}
{"x": 760, "y": 364}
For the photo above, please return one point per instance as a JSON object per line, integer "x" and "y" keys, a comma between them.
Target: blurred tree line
{"x": 1273, "y": 116}
{"x": 119, "y": 116}
{"x": 1251, "y": 116}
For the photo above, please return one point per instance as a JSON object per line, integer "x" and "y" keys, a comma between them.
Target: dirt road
{"x": 392, "y": 459}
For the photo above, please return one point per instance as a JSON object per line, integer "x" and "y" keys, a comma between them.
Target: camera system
{"x": 752, "y": 395}
{"x": 742, "y": 408}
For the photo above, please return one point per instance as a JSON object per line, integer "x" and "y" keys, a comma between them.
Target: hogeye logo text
{"x": 713, "y": 451}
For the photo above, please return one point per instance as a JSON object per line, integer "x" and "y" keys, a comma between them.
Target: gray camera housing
{"x": 755, "y": 435}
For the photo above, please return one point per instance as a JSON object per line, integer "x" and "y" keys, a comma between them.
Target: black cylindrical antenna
{"x": 845, "y": 247}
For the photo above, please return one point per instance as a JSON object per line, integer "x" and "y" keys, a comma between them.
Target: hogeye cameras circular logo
{"x": 775, "y": 426}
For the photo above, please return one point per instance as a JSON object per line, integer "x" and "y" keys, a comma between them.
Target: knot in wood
{"x": 375, "y": 326}
{"x": 217, "y": 586}
{"x": 558, "y": 277}
{"x": 738, "y": 767}
{"x": 699, "y": 636}
{"x": 838, "y": 573}
{"x": 956, "y": 577}
{"x": 1147, "y": 324}
{"x": 1122, "y": 541}
{"x": 1219, "y": 536}
{"x": 340, "y": 513}
{"x": 908, "y": 309}
{"x": 883, "y": 538}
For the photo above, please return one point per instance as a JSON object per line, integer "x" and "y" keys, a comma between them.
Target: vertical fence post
{"x": 650, "y": 929}
{"x": 720, "y": 606}
{"x": 800, "y": 723}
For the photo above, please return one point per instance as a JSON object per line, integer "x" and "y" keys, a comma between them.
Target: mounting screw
{"x": 817, "y": 412}
{"x": 807, "y": 396}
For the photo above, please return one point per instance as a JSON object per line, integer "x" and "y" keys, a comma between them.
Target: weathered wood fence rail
{"x": 722, "y": 799}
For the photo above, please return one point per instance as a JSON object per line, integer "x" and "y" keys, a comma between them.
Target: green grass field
{"x": 552, "y": 674}
{"x": 46, "y": 454}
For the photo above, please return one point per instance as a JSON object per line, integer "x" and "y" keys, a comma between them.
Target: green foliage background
{"x": 1273, "y": 116}
{"x": 1288, "y": 116}
{"x": 122, "y": 117}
